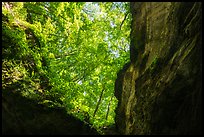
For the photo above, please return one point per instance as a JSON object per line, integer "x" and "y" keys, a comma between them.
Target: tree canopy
{"x": 67, "y": 54}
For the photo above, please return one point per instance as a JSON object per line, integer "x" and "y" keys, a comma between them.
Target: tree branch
{"x": 99, "y": 102}
{"x": 124, "y": 20}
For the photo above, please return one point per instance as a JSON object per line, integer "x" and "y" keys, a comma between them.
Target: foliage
{"x": 69, "y": 52}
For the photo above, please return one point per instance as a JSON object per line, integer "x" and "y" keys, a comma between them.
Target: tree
{"x": 108, "y": 108}
{"x": 99, "y": 101}
{"x": 75, "y": 48}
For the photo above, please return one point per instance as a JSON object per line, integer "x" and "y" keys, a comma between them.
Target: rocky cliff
{"x": 24, "y": 116}
{"x": 159, "y": 90}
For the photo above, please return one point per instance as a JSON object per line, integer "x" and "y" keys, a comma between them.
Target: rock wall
{"x": 159, "y": 90}
{"x": 23, "y": 116}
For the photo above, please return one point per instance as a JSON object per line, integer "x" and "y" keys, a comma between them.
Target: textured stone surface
{"x": 22, "y": 116}
{"x": 159, "y": 90}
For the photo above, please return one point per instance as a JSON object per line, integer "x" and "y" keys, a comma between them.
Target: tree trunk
{"x": 108, "y": 108}
{"x": 99, "y": 101}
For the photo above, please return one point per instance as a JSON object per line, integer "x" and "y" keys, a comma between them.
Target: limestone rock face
{"x": 23, "y": 116}
{"x": 159, "y": 90}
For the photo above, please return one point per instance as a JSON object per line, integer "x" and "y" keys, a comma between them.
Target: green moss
{"x": 144, "y": 61}
{"x": 155, "y": 66}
